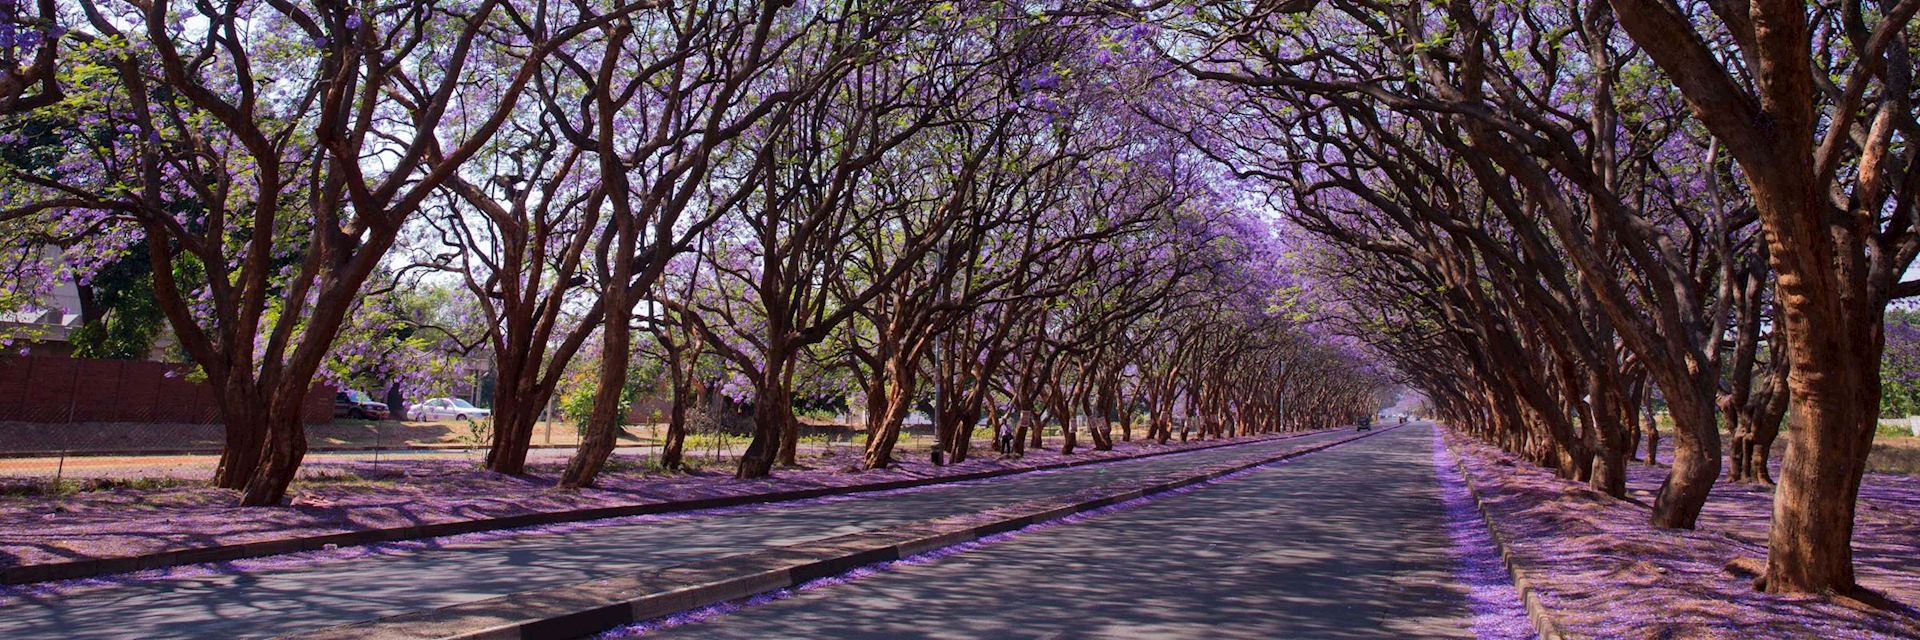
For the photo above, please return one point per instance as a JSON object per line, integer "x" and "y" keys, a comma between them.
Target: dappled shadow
{"x": 1348, "y": 543}
{"x": 337, "y": 495}
{"x": 1607, "y": 572}
{"x": 264, "y": 597}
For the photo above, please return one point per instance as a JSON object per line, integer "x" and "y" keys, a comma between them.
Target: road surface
{"x": 1346, "y": 543}
{"x": 269, "y": 602}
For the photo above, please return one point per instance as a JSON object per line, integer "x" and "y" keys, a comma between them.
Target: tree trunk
{"x": 772, "y": 418}
{"x": 285, "y": 446}
{"x": 1024, "y": 426}
{"x": 1652, "y": 423}
{"x": 514, "y": 414}
{"x": 673, "y": 448}
{"x": 1609, "y": 475}
{"x": 605, "y": 423}
{"x": 1835, "y": 398}
{"x": 244, "y": 420}
{"x": 1063, "y": 411}
{"x": 1696, "y": 460}
{"x": 1766, "y": 418}
{"x": 789, "y": 425}
{"x": 959, "y": 435}
{"x": 1066, "y": 435}
{"x": 883, "y": 435}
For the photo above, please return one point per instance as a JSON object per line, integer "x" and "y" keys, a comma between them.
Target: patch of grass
{"x": 35, "y": 489}
{"x": 700, "y": 442}
{"x": 650, "y": 465}
{"x": 815, "y": 439}
{"x": 71, "y": 486}
{"x": 138, "y": 484}
{"x": 1893, "y": 431}
{"x": 617, "y": 464}
{"x": 335, "y": 478}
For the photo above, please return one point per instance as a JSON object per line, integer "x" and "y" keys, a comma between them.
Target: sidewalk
{"x": 1600, "y": 570}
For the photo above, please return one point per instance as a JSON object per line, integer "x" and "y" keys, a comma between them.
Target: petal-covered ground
{"x": 1497, "y": 610}
{"x": 353, "y": 496}
{"x": 1606, "y": 573}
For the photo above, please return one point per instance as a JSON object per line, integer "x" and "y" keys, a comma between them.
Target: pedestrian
{"x": 1005, "y": 440}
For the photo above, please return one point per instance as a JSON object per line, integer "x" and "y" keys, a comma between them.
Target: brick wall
{"x": 57, "y": 389}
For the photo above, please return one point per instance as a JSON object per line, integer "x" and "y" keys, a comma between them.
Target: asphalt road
{"x": 268, "y": 602}
{"x": 1350, "y": 542}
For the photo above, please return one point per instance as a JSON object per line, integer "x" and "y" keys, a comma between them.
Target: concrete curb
{"x": 577, "y": 610}
{"x": 221, "y": 553}
{"x": 1542, "y": 618}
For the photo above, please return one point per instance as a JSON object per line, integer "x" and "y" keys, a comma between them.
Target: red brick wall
{"x": 57, "y": 389}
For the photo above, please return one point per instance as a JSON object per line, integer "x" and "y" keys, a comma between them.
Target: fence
{"x": 67, "y": 419}
{"x": 53, "y": 408}
{"x": 41, "y": 389}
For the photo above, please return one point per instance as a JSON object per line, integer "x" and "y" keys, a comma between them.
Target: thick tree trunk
{"x": 673, "y": 448}
{"x": 514, "y": 414}
{"x": 1696, "y": 460}
{"x": 789, "y": 425}
{"x": 1037, "y": 437}
{"x": 606, "y": 422}
{"x": 1609, "y": 474}
{"x": 244, "y": 420}
{"x": 875, "y": 390}
{"x": 1066, "y": 435}
{"x": 959, "y": 430}
{"x": 883, "y": 435}
{"x": 285, "y": 446}
{"x": 772, "y": 418}
{"x": 1766, "y": 426}
{"x": 1025, "y": 426}
{"x": 1099, "y": 429}
{"x": 1835, "y": 398}
{"x": 1760, "y": 422}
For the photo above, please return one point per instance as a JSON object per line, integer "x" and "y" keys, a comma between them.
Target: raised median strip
{"x": 1542, "y": 618}
{"x": 583, "y": 609}
{"x": 95, "y": 567}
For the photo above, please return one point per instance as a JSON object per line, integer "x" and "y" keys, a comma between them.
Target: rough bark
{"x": 772, "y": 422}
{"x": 606, "y": 421}
{"x": 883, "y": 431}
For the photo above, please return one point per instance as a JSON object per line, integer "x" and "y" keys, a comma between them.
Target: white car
{"x": 447, "y": 409}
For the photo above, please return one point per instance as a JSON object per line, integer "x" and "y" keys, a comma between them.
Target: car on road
{"x": 448, "y": 409}
{"x": 358, "y": 406}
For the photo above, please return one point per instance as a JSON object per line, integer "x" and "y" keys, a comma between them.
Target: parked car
{"x": 448, "y": 409}
{"x": 357, "y": 405}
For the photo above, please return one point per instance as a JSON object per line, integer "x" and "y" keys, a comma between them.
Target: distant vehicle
{"x": 1366, "y": 423}
{"x": 358, "y": 406}
{"x": 448, "y": 409}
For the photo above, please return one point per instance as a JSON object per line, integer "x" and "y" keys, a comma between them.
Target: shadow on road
{"x": 1348, "y": 543}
